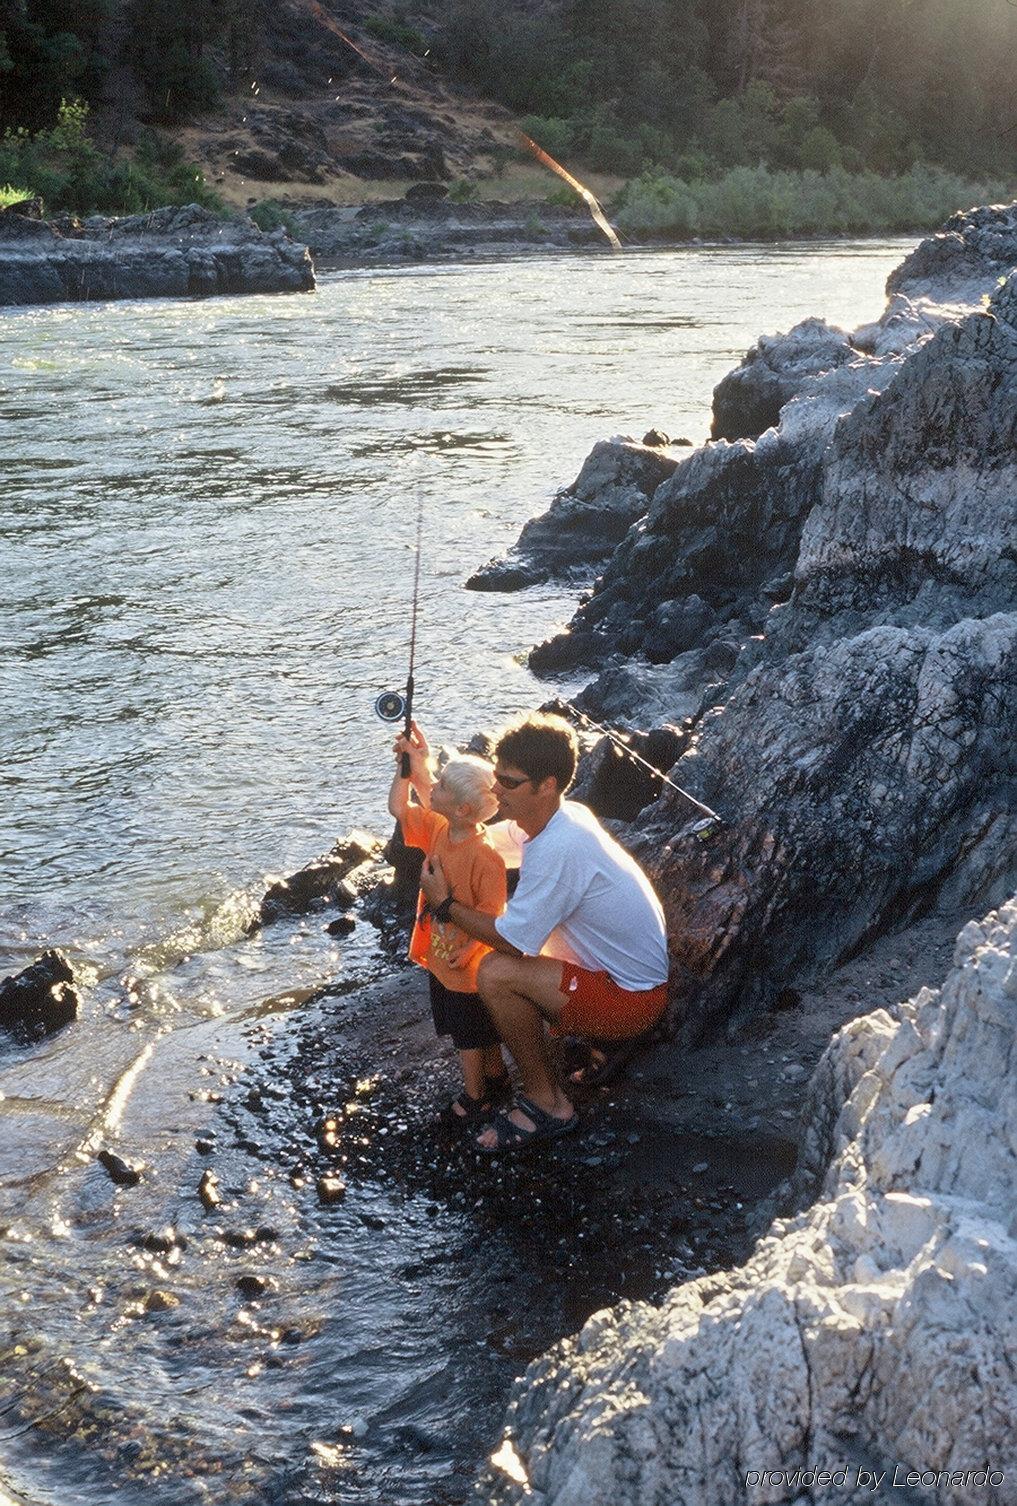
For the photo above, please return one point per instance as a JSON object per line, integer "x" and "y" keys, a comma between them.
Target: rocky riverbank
{"x": 822, "y": 604}
{"x": 170, "y": 253}
{"x": 417, "y": 228}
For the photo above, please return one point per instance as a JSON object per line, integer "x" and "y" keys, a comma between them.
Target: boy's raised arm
{"x": 416, "y": 746}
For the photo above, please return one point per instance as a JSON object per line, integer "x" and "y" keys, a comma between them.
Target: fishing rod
{"x": 624, "y": 748}
{"x": 391, "y": 705}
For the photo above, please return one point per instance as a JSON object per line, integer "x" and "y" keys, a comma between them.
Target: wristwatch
{"x": 443, "y": 913}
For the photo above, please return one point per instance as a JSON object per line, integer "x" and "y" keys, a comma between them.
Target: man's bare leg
{"x": 519, "y": 994}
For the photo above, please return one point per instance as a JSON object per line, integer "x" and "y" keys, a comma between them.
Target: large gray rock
{"x": 585, "y": 521}
{"x": 874, "y": 1332}
{"x": 856, "y": 670}
{"x": 169, "y": 253}
{"x": 749, "y": 399}
{"x": 862, "y": 782}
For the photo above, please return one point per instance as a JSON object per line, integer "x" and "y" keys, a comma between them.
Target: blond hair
{"x": 470, "y": 782}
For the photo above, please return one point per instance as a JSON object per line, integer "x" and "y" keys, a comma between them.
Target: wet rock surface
{"x": 168, "y": 253}
{"x": 861, "y": 1333}
{"x": 41, "y": 999}
{"x": 336, "y": 878}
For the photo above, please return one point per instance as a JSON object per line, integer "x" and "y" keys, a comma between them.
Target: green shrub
{"x": 269, "y": 215}
{"x": 10, "y": 196}
{"x": 462, "y": 191}
{"x": 396, "y": 33}
{"x": 64, "y": 168}
{"x": 759, "y": 203}
{"x": 555, "y": 135}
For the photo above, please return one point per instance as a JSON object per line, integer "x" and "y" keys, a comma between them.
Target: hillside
{"x": 346, "y": 101}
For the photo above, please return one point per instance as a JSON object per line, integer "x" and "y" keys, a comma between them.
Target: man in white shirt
{"x": 582, "y": 942}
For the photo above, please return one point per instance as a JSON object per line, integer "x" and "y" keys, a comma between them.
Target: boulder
{"x": 41, "y": 999}
{"x": 326, "y": 880}
{"x": 585, "y": 522}
{"x": 862, "y": 782}
{"x": 749, "y": 399}
{"x": 872, "y": 1332}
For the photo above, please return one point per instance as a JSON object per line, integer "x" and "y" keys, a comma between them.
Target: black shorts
{"x": 462, "y": 1016}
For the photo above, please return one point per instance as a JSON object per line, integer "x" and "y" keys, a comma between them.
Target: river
{"x": 205, "y": 568}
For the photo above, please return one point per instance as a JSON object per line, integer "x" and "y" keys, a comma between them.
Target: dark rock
{"x": 240, "y": 1239}
{"x": 721, "y": 654}
{"x": 162, "y": 1241}
{"x": 675, "y": 627}
{"x": 204, "y": 1147}
{"x": 584, "y": 522}
{"x": 123, "y": 1173}
{"x": 208, "y": 1190}
{"x": 343, "y": 925}
{"x": 656, "y": 439}
{"x": 251, "y": 1286}
{"x": 330, "y": 1189}
{"x": 617, "y": 787}
{"x": 322, "y": 881}
{"x": 41, "y": 999}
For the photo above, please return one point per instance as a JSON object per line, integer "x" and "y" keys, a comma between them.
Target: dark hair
{"x": 541, "y": 746}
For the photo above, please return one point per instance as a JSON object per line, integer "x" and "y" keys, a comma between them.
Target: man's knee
{"x": 494, "y": 972}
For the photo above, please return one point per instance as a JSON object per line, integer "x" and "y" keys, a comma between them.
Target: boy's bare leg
{"x": 519, "y": 993}
{"x": 494, "y": 1062}
{"x": 474, "y": 1078}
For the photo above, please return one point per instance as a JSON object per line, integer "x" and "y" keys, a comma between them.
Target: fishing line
{"x": 624, "y": 748}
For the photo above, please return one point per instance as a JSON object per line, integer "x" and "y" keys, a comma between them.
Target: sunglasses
{"x": 508, "y": 783}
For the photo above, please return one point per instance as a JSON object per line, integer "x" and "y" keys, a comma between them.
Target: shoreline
{"x": 190, "y": 253}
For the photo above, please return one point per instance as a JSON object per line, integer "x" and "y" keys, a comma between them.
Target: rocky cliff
{"x": 870, "y": 1337}
{"x": 829, "y": 610}
{"x": 170, "y": 253}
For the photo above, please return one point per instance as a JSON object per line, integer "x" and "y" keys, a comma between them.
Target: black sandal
{"x": 617, "y": 1056}
{"x": 500, "y": 1086}
{"x": 511, "y": 1136}
{"x": 467, "y": 1112}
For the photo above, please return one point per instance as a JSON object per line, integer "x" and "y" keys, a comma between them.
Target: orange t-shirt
{"x": 476, "y": 876}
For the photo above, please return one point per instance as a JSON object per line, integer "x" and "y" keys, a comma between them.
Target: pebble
{"x": 160, "y": 1302}
{"x": 331, "y": 1189}
{"x": 251, "y": 1286}
{"x": 123, "y": 1173}
{"x": 208, "y": 1190}
{"x": 161, "y": 1241}
{"x": 239, "y": 1239}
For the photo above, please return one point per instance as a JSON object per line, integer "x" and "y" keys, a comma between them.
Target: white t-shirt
{"x": 582, "y": 898}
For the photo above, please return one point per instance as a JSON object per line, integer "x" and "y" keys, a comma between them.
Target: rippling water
{"x": 205, "y": 565}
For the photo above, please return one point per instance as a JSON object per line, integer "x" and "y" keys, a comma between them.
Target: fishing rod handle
{"x": 404, "y": 766}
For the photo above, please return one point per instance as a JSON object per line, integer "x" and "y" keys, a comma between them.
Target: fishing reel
{"x": 390, "y": 706}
